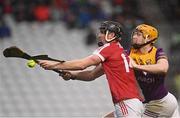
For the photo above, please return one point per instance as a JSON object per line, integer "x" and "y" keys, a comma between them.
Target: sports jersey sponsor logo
{"x": 147, "y": 80}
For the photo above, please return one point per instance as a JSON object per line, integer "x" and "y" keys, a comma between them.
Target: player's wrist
{"x": 56, "y": 66}
{"x": 73, "y": 77}
{"x": 137, "y": 67}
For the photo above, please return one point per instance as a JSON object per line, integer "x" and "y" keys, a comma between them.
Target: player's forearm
{"x": 71, "y": 65}
{"x": 156, "y": 68}
{"x": 83, "y": 76}
{"x": 79, "y": 64}
{"x": 89, "y": 75}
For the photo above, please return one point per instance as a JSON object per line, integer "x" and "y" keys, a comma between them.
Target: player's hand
{"x": 66, "y": 75}
{"x": 48, "y": 65}
{"x": 132, "y": 63}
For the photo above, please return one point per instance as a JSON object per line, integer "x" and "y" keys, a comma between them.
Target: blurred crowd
{"x": 74, "y": 13}
{"x": 82, "y": 13}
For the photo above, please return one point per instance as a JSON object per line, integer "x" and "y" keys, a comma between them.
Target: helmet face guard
{"x": 148, "y": 32}
{"x": 111, "y": 26}
{"x": 137, "y": 46}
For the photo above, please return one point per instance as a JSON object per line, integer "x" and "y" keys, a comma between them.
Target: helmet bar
{"x": 137, "y": 46}
{"x": 106, "y": 37}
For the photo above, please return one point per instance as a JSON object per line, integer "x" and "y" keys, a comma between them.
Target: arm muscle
{"x": 160, "y": 67}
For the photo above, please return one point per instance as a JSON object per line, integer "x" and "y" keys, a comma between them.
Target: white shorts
{"x": 132, "y": 108}
{"x": 165, "y": 107}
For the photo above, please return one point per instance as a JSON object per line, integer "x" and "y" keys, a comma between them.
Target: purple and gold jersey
{"x": 152, "y": 85}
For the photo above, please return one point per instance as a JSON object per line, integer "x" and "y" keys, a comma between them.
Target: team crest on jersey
{"x": 140, "y": 61}
{"x": 148, "y": 62}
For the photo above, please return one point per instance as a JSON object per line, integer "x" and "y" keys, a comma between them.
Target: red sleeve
{"x": 103, "y": 52}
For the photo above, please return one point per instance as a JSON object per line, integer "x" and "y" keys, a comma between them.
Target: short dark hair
{"x": 112, "y": 26}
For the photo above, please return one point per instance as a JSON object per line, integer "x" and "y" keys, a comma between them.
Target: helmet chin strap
{"x": 106, "y": 37}
{"x": 138, "y": 46}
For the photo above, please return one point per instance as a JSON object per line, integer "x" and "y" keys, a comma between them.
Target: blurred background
{"x": 66, "y": 29}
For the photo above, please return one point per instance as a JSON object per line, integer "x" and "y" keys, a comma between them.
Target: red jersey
{"x": 121, "y": 78}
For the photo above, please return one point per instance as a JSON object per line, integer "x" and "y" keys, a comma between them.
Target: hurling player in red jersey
{"x": 111, "y": 60}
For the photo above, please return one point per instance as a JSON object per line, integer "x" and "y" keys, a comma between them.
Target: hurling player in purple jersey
{"x": 151, "y": 65}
